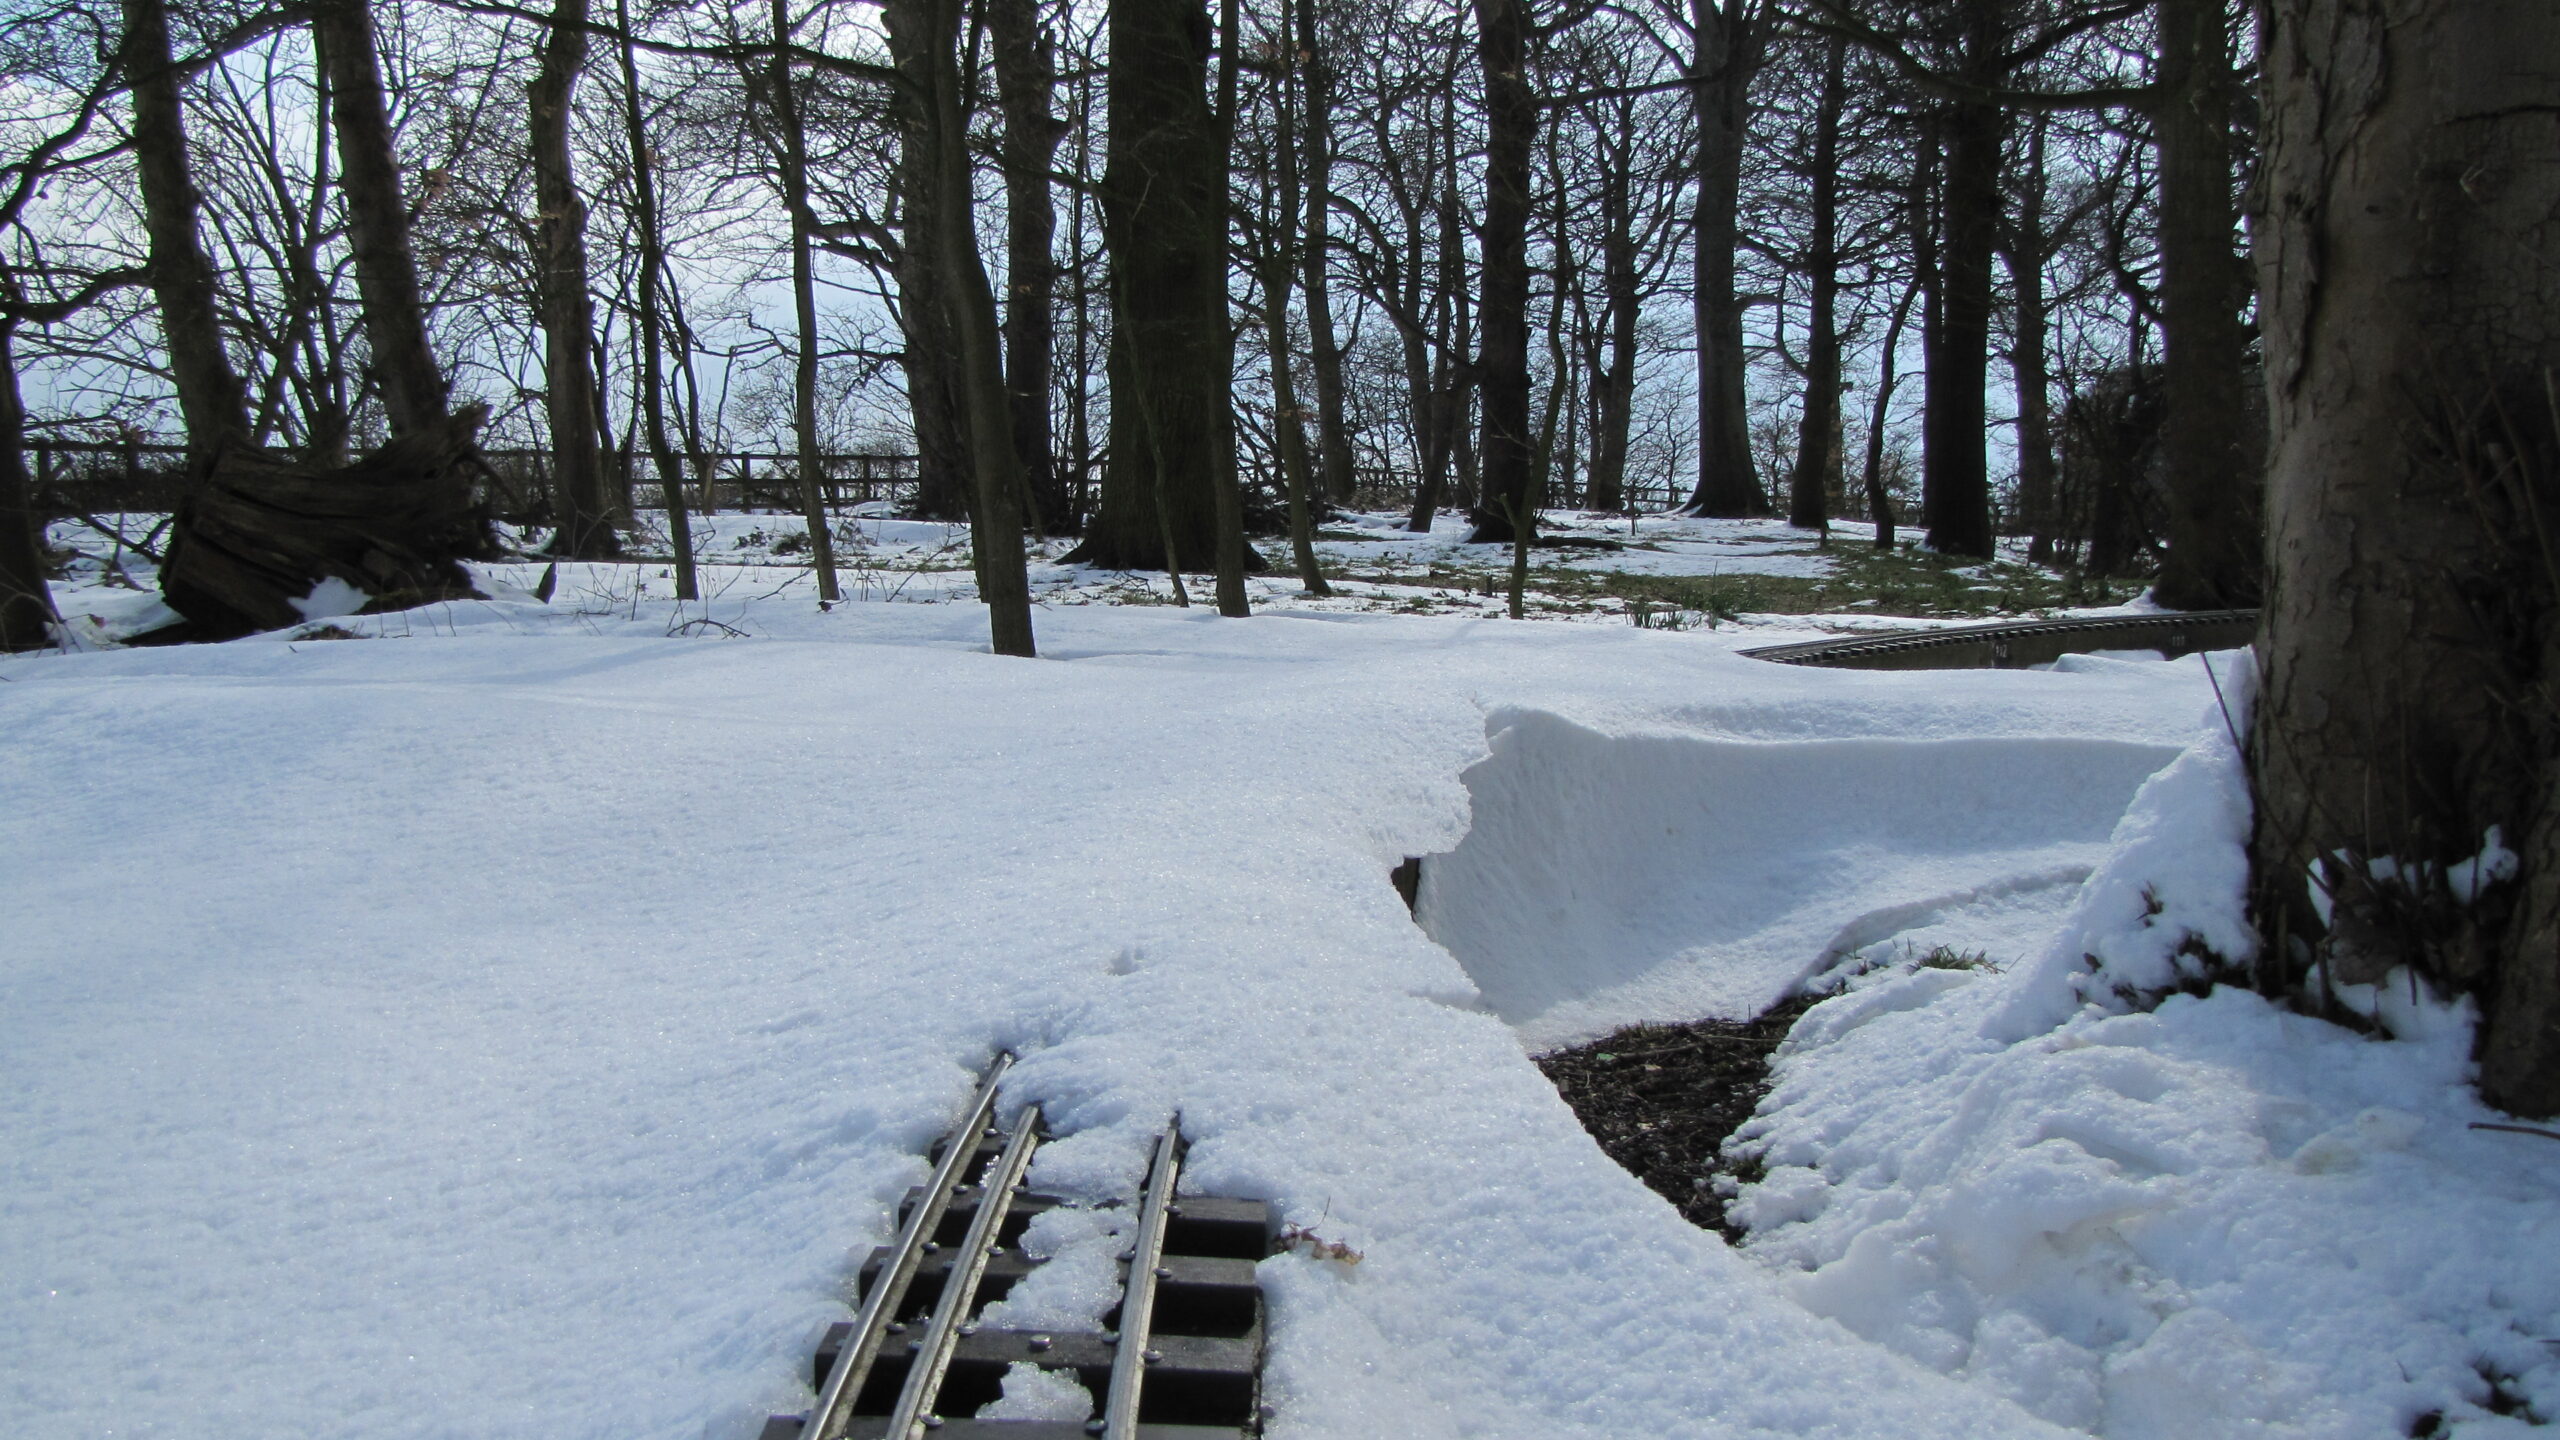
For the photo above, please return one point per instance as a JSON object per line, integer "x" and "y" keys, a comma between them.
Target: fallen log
{"x": 258, "y": 539}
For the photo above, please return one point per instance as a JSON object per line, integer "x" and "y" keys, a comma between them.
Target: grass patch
{"x": 1904, "y": 582}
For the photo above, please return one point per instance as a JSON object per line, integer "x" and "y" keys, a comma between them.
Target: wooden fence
{"x": 94, "y": 477}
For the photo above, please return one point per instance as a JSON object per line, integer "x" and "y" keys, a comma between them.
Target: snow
{"x": 520, "y": 1020}
{"x": 2151, "y": 1215}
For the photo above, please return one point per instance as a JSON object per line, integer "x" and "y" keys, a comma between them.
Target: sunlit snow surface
{"x": 520, "y": 1021}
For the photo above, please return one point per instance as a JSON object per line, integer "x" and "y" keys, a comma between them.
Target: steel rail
{"x": 1138, "y": 1300}
{"x": 829, "y": 1417}
{"x": 996, "y": 1190}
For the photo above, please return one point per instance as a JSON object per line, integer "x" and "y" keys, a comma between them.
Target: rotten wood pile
{"x": 259, "y": 531}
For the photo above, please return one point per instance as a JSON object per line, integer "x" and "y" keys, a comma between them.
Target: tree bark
{"x": 1509, "y": 450}
{"x": 395, "y": 316}
{"x": 1333, "y": 430}
{"x": 2025, "y": 251}
{"x": 2412, "y": 326}
{"x": 2215, "y": 484}
{"x": 1956, "y": 475}
{"x": 1725, "y": 56}
{"x": 1613, "y": 383}
{"x": 27, "y": 616}
{"x": 653, "y": 331}
{"x": 210, "y": 398}
{"x": 1880, "y": 499}
{"x": 1818, "y": 441}
{"x": 1026, "y": 74}
{"x": 1165, "y": 228}
{"x": 930, "y": 29}
{"x": 930, "y": 361}
{"x": 1279, "y": 263}
{"x": 570, "y": 401}
{"x": 783, "y": 95}
{"x": 1229, "y": 495}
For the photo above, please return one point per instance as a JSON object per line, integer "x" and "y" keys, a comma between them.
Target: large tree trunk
{"x": 210, "y": 398}
{"x": 1164, "y": 204}
{"x": 395, "y": 316}
{"x": 1026, "y": 73}
{"x": 783, "y": 94}
{"x": 2412, "y": 333}
{"x": 568, "y": 310}
{"x": 653, "y": 329}
{"x": 1818, "y": 442}
{"x": 1504, "y": 504}
{"x": 27, "y": 616}
{"x": 1956, "y": 474}
{"x": 1724, "y": 58}
{"x": 930, "y": 362}
{"x": 2214, "y": 483}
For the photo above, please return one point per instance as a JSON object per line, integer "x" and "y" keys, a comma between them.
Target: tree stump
{"x": 258, "y": 532}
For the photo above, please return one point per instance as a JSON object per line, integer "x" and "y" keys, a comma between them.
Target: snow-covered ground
{"x": 520, "y": 1019}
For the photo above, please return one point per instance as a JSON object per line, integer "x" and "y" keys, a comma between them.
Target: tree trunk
{"x": 1279, "y": 264}
{"x": 2025, "y": 251}
{"x": 568, "y": 311}
{"x": 2412, "y": 338}
{"x": 1165, "y": 228}
{"x": 210, "y": 398}
{"x": 653, "y": 264}
{"x": 1441, "y": 403}
{"x": 395, "y": 315}
{"x": 1956, "y": 475}
{"x": 1509, "y": 450}
{"x": 1880, "y": 499}
{"x": 1026, "y": 73}
{"x": 930, "y": 29}
{"x": 1818, "y": 442}
{"x": 785, "y": 100}
{"x": 1613, "y": 384}
{"x": 2215, "y": 482}
{"x": 27, "y": 616}
{"x": 1721, "y": 65}
{"x": 930, "y": 361}
{"x": 1229, "y": 496}
{"x": 1333, "y": 431}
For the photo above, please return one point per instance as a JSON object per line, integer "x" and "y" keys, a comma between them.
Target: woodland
{"x": 1223, "y": 552}
{"x": 2254, "y": 304}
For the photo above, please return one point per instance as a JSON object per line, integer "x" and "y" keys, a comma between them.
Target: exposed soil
{"x": 1661, "y": 1099}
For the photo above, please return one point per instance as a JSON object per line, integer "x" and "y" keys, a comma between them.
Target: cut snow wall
{"x": 1610, "y": 879}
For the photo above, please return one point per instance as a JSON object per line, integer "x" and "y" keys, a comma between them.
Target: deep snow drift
{"x": 2214, "y": 1218}
{"x": 522, "y": 1026}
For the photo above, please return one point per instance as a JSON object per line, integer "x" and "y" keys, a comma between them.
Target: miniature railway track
{"x": 1178, "y": 1359}
{"x": 2016, "y": 644}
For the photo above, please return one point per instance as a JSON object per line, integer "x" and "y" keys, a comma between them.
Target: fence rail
{"x": 88, "y": 477}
